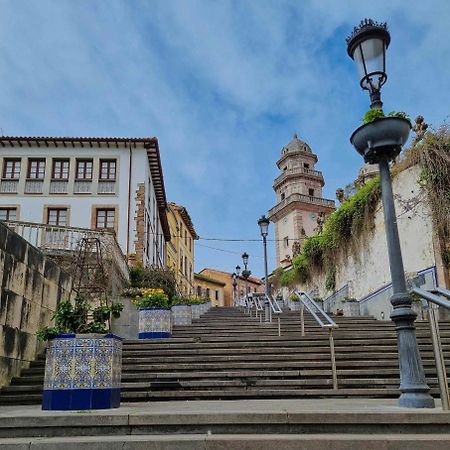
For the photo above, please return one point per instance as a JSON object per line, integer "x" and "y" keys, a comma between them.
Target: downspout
{"x": 129, "y": 198}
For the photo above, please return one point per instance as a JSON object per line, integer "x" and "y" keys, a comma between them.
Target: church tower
{"x": 300, "y": 204}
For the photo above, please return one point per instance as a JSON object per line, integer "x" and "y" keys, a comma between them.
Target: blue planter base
{"x": 80, "y": 399}
{"x": 155, "y": 335}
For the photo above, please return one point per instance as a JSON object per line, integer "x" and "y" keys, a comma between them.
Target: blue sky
{"x": 222, "y": 84}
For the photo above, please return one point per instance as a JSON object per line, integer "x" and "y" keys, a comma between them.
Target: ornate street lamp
{"x": 263, "y": 223}
{"x": 246, "y": 273}
{"x": 380, "y": 142}
{"x": 234, "y": 276}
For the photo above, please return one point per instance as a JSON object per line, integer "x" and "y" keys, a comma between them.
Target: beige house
{"x": 253, "y": 284}
{"x": 300, "y": 205}
{"x": 211, "y": 288}
{"x": 180, "y": 249}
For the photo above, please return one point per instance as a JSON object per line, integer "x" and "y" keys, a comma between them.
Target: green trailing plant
{"x": 288, "y": 278}
{"x": 372, "y": 115}
{"x": 376, "y": 113}
{"x": 294, "y": 298}
{"x": 330, "y": 280}
{"x": 446, "y": 257}
{"x": 73, "y": 318}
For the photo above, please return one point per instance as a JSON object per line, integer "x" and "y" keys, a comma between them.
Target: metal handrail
{"x": 433, "y": 299}
{"x": 326, "y": 323}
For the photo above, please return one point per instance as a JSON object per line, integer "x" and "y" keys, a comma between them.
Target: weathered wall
{"x": 31, "y": 286}
{"x": 366, "y": 271}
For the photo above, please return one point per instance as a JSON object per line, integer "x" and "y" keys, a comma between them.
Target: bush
{"x": 73, "y": 318}
{"x": 152, "y": 298}
{"x": 155, "y": 278}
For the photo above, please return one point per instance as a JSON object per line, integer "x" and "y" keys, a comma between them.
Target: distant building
{"x": 299, "y": 200}
{"x": 207, "y": 287}
{"x": 180, "y": 249}
{"x": 253, "y": 284}
{"x": 111, "y": 184}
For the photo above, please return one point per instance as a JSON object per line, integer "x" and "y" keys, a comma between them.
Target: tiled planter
{"x": 351, "y": 309}
{"x": 155, "y": 323}
{"x": 181, "y": 315}
{"x": 294, "y": 306}
{"x": 196, "y": 311}
{"x": 82, "y": 372}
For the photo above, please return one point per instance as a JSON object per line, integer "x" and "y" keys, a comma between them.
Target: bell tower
{"x": 299, "y": 199}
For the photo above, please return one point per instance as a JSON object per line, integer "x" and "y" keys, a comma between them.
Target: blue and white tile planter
{"x": 155, "y": 323}
{"x": 294, "y": 306}
{"x": 82, "y": 372}
{"x": 196, "y": 310}
{"x": 181, "y": 315}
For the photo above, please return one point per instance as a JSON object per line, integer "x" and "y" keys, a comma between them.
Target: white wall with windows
{"x": 86, "y": 186}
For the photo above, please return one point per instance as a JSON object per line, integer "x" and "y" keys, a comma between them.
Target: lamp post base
{"x": 413, "y": 386}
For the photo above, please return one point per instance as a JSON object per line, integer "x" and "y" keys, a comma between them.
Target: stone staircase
{"x": 228, "y": 355}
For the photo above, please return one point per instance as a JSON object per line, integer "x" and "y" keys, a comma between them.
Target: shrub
{"x": 155, "y": 278}
{"x": 152, "y": 298}
{"x": 74, "y": 318}
{"x": 372, "y": 114}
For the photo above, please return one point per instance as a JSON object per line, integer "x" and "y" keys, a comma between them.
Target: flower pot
{"x": 382, "y": 137}
{"x": 294, "y": 306}
{"x": 351, "y": 309}
{"x": 82, "y": 372}
{"x": 196, "y": 310}
{"x": 181, "y": 315}
{"x": 155, "y": 323}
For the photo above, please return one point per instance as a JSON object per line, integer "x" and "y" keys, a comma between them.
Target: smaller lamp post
{"x": 379, "y": 142}
{"x": 263, "y": 223}
{"x": 234, "y": 276}
{"x": 238, "y": 275}
{"x": 246, "y": 273}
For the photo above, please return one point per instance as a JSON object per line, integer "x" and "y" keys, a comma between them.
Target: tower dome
{"x": 296, "y": 145}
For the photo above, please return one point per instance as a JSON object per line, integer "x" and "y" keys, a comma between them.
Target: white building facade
{"x": 110, "y": 184}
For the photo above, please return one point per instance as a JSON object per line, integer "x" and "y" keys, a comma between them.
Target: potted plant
{"x": 294, "y": 303}
{"x": 83, "y": 361}
{"x": 154, "y": 314}
{"x": 181, "y": 311}
{"x": 351, "y": 307}
{"x": 380, "y": 134}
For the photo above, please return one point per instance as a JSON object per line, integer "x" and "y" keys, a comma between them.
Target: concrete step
{"x": 234, "y": 442}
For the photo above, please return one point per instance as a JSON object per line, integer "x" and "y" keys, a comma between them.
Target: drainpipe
{"x": 129, "y": 199}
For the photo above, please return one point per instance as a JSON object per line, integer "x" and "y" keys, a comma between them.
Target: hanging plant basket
{"x": 381, "y": 138}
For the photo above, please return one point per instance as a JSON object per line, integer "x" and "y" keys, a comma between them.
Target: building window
{"x": 57, "y": 216}
{"x": 185, "y": 266}
{"x": 11, "y": 169}
{"x": 306, "y": 165}
{"x": 199, "y": 291}
{"x": 108, "y": 169}
{"x": 105, "y": 218}
{"x": 311, "y": 192}
{"x": 185, "y": 237}
{"x": 84, "y": 169}
{"x": 60, "y": 169}
{"x": 283, "y": 196}
{"x": 217, "y": 295}
{"x": 8, "y": 213}
{"x": 36, "y": 169}
{"x": 181, "y": 262}
{"x": 286, "y": 242}
{"x": 207, "y": 292}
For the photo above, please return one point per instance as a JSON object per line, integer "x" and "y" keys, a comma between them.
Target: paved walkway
{"x": 212, "y": 408}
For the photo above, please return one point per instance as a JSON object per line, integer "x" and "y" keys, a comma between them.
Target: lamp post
{"x": 234, "y": 276}
{"x": 246, "y": 273}
{"x": 264, "y": 228}
{"x": 380, "y": 142}
{"x": 238, "y": 276}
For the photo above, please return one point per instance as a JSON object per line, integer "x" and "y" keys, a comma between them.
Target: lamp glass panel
{"x": 370, "y": 53}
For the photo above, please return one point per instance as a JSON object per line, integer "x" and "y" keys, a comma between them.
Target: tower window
{"x": 283, "y": 196}
{"x": 286, "y": 242}
{"x": 311, "y": 192}
{"x": 306, "y": 165}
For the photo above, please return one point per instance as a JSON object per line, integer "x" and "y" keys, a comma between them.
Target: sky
{"x": 223, "y": 85}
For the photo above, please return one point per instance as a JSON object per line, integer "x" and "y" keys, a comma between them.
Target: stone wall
{"x": 365, "y": 271}
{"x": 32, "y": 284}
